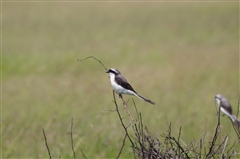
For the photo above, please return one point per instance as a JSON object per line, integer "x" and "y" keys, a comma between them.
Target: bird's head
{"x": 113, "y": 71}
{"x": 218, "y": 98}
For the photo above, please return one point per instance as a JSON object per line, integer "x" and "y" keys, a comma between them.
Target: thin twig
{"x": 95, "y": 59}
{"x": 238, "y": 106}
{"x": 210, "y": 152}
{"x": 129, "y": 114}
{"x": 200, "y": 147}
{"x": 123, "y": 143}
{"x": 142, "y": 135}
{"x": 45, "y": 138}
{"x": 135, "y": 109}
{"x": 139, "y": 133}
{"x": 120, "y": 117}
{"x": 74, "y": 155}
{"x": 225, "y": 143}
{"x": 230, "y": 150}
{"x": 236, "y": 123}
{"x": 179, "y": 134}
{"x": 83, "y": 154}
{"x": 179, "y": 146}
{"x": 236, "y": 127}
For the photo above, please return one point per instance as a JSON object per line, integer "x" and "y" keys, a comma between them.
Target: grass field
{"x": 177, "y": 54}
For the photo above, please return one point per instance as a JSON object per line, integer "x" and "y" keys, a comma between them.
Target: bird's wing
{"x": 119, "y": 79}
{"x": 225, "y": 104}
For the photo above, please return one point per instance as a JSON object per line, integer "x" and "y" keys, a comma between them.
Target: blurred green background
{"x": 176, "y": 54}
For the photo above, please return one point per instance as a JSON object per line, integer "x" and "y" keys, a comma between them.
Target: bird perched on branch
{"x": 121, "y": 86}
{"x": 225, "y": 107}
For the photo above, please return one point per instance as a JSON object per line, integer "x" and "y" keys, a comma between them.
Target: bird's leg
{"x": 120, "y": 95}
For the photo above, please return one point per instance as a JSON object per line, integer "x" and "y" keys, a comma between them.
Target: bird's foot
{"x": 120, "y": 96}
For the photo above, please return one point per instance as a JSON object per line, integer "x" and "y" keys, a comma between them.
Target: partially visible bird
{"x": 225, "y": 107}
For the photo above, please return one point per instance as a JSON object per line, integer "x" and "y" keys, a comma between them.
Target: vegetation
{"x": 177, "y": 54}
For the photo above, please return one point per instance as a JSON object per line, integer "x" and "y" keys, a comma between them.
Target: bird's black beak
{"x": 107, "y": 71}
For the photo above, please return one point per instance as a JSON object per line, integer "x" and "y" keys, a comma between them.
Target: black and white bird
{"x": 225, "y": 107}
{"x": 121, "y": 86}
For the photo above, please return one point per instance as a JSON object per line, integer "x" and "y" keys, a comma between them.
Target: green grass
{"x": 177, "y": 54}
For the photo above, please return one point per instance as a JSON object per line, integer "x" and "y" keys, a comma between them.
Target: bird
{"x": 121, "y": 85}
{"x": 225, "y": 107}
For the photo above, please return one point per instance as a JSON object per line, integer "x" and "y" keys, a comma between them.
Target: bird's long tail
{"x": 146, "y": 100}
{"x": 236, "y": 122}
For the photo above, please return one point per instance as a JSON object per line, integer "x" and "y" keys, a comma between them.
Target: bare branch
{"x": 238, "y": 106}
{"x": 179, "y": 134}
{"x": 120, "y": 117}
{"x": 124, "y": 139}
{"x": 236, "y": 127}
{"x": 225, "y": 143}
{"x": 93, "y": 58}
{"x": 74, "y": 155}
{"x": 210, "y": 153}
{"x": 45, "y": 138}
{"x": 83, "y": 154}
{"x": 135, "y": 108}
{"x": 126, "y": 107}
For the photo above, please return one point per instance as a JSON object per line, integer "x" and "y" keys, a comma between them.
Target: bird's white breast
{"x": 118, "y": 88}
{"x": 218, "y": 101}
